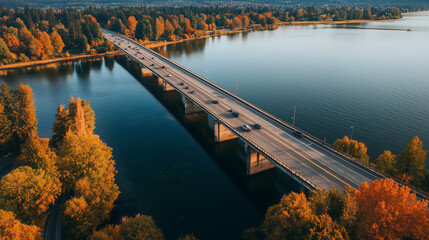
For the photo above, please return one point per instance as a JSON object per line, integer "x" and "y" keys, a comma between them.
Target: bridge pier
{"x": 146, "y": 72}
{"x": 190, "y": 107}
{"x": 166, "y": 87}
{"x": 255, "y": 162}
{"x": 221, "y": 133}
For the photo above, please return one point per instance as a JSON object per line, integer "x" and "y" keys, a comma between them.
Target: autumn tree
{"x": 353, "y": 148}
{"x": 45, "y": 39}
{"x": 11, "y": 41}
{"x": 411, "y": 163}
{"x": 5, "y": 128}
{"x": 294, "y": 218}
{"x": 136, "y": 228}
{"x": 385, "y": 162}
{"x": 65, "y": 119}
{"x": 36, "y": 153}
{"x": 131, "y": 24}
{"x": 18, "y": 108}
{"x": 169, "y": 28}
{"x": 389, "y": 211}
{"x": 12, "y": 229}
{"x": 57, "y": 42}
{"x": 159, "y": 27}
{"x": 140, "y": 227}
{"x": 28, "y": 193}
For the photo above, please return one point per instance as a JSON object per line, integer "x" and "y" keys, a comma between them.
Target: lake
{"x": 373, "y": 76}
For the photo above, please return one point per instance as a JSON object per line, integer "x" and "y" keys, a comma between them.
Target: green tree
{"x": 411, "y": 163}
{"x": 385, "y": 162}
{"x": 353, "y": 148}
{"x": 28, "y": 193}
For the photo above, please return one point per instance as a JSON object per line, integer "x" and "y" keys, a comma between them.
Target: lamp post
{"x": 294, "y": 114}
{"x": 352, "y": 130}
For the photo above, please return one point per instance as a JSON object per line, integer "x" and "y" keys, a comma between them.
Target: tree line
{"x": 408, "y": 166}
{"x": 166, "y": 23}
{"x": 379, "y": 210}
{"x": 33, "y": 34}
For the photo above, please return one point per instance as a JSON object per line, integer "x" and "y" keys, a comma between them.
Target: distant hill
{"x": 236, "y": 3}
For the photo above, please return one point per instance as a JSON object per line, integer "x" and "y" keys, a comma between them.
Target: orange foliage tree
{"x": 12, "y": 229}
{"x": 131, "y": 24}
{"x": 389, "y": 211}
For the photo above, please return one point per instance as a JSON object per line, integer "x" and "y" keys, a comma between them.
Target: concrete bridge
{"x": 311, "y": 162}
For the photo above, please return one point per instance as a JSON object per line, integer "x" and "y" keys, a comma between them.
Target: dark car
{"x": 215, "y": 101}
{"x": 298, "y": 134}
{"x": 187, "y": 87}
{"x": 236, "y": 114}
{"x": 181, "y": 84}
{"x": 192, "y": 91}
{"x": 152, "y": 64}
{"x": 257, "y": 126}
{"x": 163, "y": 66}
{"x": 152, "y": 57}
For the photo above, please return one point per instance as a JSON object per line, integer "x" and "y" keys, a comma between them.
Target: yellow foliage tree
{"x": 389, "y": 211}
{"x": 12, "y": 229}
{"x": 45, "y": 39}
{"x": 353, "y": 148}
{"x": 57, "y": 42}
{"x": 28, "y": 193}
{"x": 412, "y": 162}
{"x": 385, "y": 162}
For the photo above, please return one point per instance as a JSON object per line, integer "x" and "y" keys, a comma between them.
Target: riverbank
{"x": 56, "y": 60}
{"x": 260, "y": 28}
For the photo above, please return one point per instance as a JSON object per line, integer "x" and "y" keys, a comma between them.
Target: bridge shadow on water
{"x": 263, "y": 189}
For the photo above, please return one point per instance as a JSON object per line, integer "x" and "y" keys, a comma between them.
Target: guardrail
{"x": 321, "y": 143}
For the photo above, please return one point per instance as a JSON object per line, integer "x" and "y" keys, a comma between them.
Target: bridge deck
{"x": 312, "y": 162}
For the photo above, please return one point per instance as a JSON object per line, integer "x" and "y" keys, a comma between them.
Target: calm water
{"x": 374, "y": 76}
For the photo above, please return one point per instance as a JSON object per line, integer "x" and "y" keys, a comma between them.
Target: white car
{"x": 169, "y": 75}
{"x": 246, "y": 128}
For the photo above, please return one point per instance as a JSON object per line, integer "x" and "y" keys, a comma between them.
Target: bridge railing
{"x": 321, "y": 143}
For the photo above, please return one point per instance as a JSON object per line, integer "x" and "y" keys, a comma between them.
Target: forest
{"x": 28, "y": 34}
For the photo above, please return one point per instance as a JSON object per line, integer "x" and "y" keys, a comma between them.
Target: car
{"x": 191, "y": 91}
{"x": 246, "y": 127}
{"x": 152, "y": 57}
{"x": 142, "y": 58}
{"x": 298, "y": 134}
{"x": 162, "y": 66}
{"x": 235, "y": 114}
{"x": 169, "y": 75}
{"x": 187, "y": 87}
{"x": 215, "y": 101}
{"x": 181, "y": 84}
{"x": 257, "y": 126}
{"x": 229, "y": 110}
{"x": 153, "y": 64}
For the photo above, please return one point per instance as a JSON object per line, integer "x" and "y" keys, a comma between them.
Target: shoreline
{"x": 258, "y": 28}
{"x": 55, "y": 60}
{"x": 153, "y": 45}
